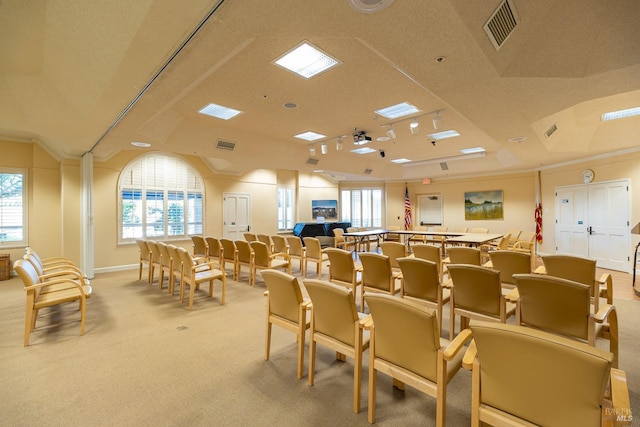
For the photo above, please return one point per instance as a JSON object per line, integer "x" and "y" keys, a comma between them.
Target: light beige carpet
{"x": 146, "y": 360}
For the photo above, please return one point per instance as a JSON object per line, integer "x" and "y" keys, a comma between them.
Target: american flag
{"x": 407, "y": 210}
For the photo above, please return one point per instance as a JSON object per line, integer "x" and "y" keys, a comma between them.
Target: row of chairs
{"x": 181, "y": 268}
{"x": 403, "y": 342}
{"x": 50, "y": 282}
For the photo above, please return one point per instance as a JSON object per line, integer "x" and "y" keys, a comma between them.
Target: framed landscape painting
{"x": 483, "y": 205}
{"x": 327, "y": 209}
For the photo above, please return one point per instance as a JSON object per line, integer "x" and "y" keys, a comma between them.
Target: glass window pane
{"x": 12, "y": 215}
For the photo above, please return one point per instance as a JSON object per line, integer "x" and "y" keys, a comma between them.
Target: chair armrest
{"x": 488, "y": 264}
{"x": 448, "y": 284}
{"x": 469, "y": 356}
{"x": 266, "y": 293}
{"x": 540, "y": 270}
{"x": 366, "y": 322}
{"x": 620, "y": 391}
{"x": 306, "y": 304}
{"x": 68, "y": 274}
{"x": 604, "y": 312}
{"x": 513, "y": 295}
{"x": 457, "y": 344}
{"x": 57, "y": 282}
{"x": 607, "y": 281}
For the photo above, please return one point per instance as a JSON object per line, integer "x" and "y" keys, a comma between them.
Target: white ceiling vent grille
{"x": 312, "y": 161}
{"x": 225, "y": 145}
{"x": 551, "y": 131}
{"x": 501, "y": 24}
{"x": 444, "y": 166}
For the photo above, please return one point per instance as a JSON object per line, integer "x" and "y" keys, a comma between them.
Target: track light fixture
{"x": 391, "y": 133}
{"x": 437, "y": 121}
{"x": 414, "y": 127}
{"x": 339, "y": 144}
{"x": 312, "y": 151}
{"x": 323, "y": 148}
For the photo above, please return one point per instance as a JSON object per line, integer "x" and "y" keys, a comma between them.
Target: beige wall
{"x": 55, "y": 197}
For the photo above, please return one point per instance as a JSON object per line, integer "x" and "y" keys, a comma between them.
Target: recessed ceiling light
{"x": 306, "y": 60}
{"x": 472, "y": 150}
{"x": 621, "y": 114}
{"x": 383, "y": 139}
{"x": 400, "y": 161}
{"x": 363, "y": 150}
{"x": 443, "y": 135}
{"x": 399, "y": 110}
{"x": 310, "y": 136}
{"x": 518, "y": 139}
{"x": 219, "y": 111}
{"x": 141, "y": 144}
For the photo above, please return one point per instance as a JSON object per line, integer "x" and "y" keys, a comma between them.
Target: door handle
{"x": 590, "y": 230}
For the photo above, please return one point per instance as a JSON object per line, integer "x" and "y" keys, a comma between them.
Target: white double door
{"x": 592, "y": 221}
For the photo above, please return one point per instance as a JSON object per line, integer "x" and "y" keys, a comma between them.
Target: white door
{"x": 593, "y": 222}
{"x": 430, "y": 209}
{"x": 236, "y": 211}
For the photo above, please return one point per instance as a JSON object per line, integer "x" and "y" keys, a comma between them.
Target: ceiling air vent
{"x": 444, "y": 166}
{"x": 367, "y": 171}
{"x": 312, "y": 161}
{"x": 501, "y": 24}
{"x": 225, "y": 145}
{"x": 551, "y": 130}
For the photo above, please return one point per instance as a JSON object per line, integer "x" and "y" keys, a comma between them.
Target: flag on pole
{"x": 407, "y": 210}
{"x": 538, "y": 218}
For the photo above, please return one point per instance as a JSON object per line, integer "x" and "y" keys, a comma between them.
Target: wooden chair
{"x": 419, "y": 238}
{"x": 266, "y": 239}
{"x": 286, "y": 308}
{"x": 297, "y": 251}
{"x": 336, "y": 324}
{"x": 314, "y": 253}
{"x": 229, "y": 255}
{"x": 280, "y": 246}
{"x": 145, "y": 258}
{"x": 477, "y": 294}
{"x": 176, "y": 273}
{"x": 193, "y": 274}
{"x": 378, "y": 275}
{"x": 166, "y": 265}
{"x": 421, "y": 282}
{"x": 563, "y": 307}
{"x": 214, "y": 249}
{"x": 523, "y": 376}
{"x": 437, "y": 240}
{"x": 526, "y": 243}
{"x": 509, "y": 263}
{"x": 49, "y": 293}
{"x": 245, "y": 257}
{"x": 514, "y": 235}
{"x": 463, "y": 255}
{"x": 200, "y": 249}
{"x": 581, "y": 270}
{"x": 343, "y": 270}
{"x": 156, "y": 259}
{"x": 391, "y": 236}
{"x": 263, "y": 259}
{"x": 394, "y": 250}
{"x": 60, "y": 270}
{"x": 430, "y": 253}
{"x": 250, "y": 237}
{"x": 341, "y": 242}
{"x": 417, "y": 356}
{"x": 500, "y": 245}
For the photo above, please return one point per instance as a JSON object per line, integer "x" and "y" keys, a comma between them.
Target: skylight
{"x": 306, "y": 61}
{"x": 310, "y": 136}
{"x": 621, "y": 114}
{"x": 443, "y": 135}
{"x": 399, "y": 110}
{"x": 219, "y": 111}
{"x": 363, "y": 150}
{"x": 400, "y": 161}
{"x": 472, "y": 150}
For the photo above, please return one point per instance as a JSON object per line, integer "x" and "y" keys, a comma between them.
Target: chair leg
{"x": 373, "y": 379}
{"x": 224, "y": 290}
{"x": 301, "y": 348}
{"x": 267, "y": 344}
{"x": 312, "y": 359}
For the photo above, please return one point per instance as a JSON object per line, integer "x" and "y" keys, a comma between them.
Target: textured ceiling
{"x": 80, "y": 76}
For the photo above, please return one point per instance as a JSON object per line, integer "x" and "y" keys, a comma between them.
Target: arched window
{"x": 160, "y": 196}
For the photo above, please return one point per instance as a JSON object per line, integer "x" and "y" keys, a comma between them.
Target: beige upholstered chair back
{"x": 513, "y": 236}
{"x": 155, "y": 252}
{"x": 295, "y": 245}
{"x": 568, "y": 267}
{"x": 464, "y": 255}
{"x": 249, "y": 237}
{"x": 144, "y": 250}
{"x": 187, "y": 262}
{"x": 199, "y": 246}
{"x": 313, "y": 247}
{"x": 406, "y": 334}
{"x": 341, "y": 265}
{"x": 460, "y": 229}
{"x": 554, "y": 304}
{"x": 526, "y": 239}
{"x": 172, "y": 250}
{"x": 428, "y": 252}
{"x": 509, "y": 263}
{"x": 228, "y": 249}
{"x": 266, "y": 239}
{"x": 214, "y": 247}
{"x": 261, "y": 253}
{"x": 244, "y": 251}
{"x": 421, "y": 278}
{"x": 542, "y": 378}
{"x": 285, "y": 296}
{"x": 279, "y": 244}
{"x": 167, "y": 261}
{"x": 476, "y": 288}
{"x": 334, "y": 310}
{"x": 393, "y": 250}
{"x": 376, "y": 271}
{"x": 480, "y": 230}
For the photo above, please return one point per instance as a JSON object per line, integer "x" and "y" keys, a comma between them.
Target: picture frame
{"x": 483, "y": 205}
{"x": 326, "y": 209}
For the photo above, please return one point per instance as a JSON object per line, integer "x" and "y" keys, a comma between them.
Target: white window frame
{"x": 286, "y": 214}
{"x": 165, "y": 178}
{"x": 363, "y": 207}
{"x": 5, "y": 223}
